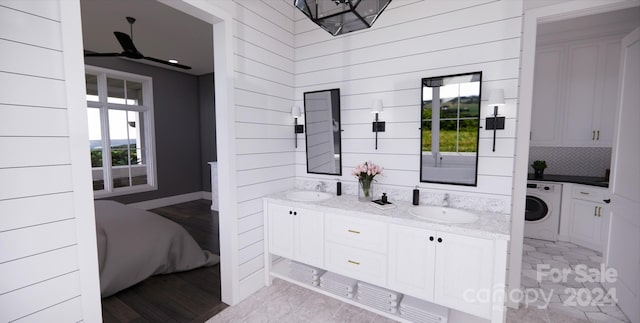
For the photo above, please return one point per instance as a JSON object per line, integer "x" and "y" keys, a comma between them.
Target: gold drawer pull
{"x": 584, "y": 193}
{"x": 354, "y": 231}
{"x": 353, "y": 262}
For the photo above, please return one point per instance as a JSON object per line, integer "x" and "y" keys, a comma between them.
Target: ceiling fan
{"x": 130, "y": 50}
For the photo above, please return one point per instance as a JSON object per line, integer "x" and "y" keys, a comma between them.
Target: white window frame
{"x": 149, "y": 129}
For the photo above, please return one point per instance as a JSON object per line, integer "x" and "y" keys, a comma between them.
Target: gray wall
{"x": 207, "y": 127}
{"x": 177, "y": 126}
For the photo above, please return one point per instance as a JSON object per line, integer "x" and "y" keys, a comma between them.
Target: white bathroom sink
{"x": 308, "y": 196}
{"x": 443, "y": 214}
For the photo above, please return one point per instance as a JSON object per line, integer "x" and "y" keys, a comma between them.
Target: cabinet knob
{"x": 295, "y": 213}
{"x": 439, "y": 239}
{"x": 593, "y": 135}
{"x": 290, "y": 212}
{"x": 597, "y": 134}
{"x": 607, "y": 201}
{"x": 431, "y": 238}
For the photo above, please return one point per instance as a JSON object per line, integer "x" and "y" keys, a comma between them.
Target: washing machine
{"x": 542, "y": 212}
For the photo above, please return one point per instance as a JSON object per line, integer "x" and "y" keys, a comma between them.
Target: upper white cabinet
{"x": 575, "y": 93}
{"x": 297, "y": 234}
{"x": 547, "y": 97}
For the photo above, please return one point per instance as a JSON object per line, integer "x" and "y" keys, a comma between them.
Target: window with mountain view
{"x": 120, "y": 119}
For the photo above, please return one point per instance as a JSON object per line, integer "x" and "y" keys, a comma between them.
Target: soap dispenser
{"x": 416, "y": 196}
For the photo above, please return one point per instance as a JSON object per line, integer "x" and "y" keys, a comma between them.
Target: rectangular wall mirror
{"x": 450, "y": 124}
{"x": 322, "y": 123}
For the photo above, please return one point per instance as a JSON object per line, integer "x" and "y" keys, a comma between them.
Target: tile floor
{"x": 574, "y": 299}
{"x": 284, "y": 302}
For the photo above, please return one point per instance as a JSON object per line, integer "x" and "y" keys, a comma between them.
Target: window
{"x": 458, "y": 118}
{"x": 121, "y": 131}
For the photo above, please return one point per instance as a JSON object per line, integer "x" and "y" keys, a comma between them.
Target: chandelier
{"x": 342, "y": 16}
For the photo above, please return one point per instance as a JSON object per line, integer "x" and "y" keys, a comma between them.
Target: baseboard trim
{"x": 170, "y": 200}
{"x": 250, "y": 285}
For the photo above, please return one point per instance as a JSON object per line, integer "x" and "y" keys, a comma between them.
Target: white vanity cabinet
{"x": 296, "y": 233}
{"x": 589, "y": 225}
{"x": 454, "y": 269}
{"x": 441, "y": 267}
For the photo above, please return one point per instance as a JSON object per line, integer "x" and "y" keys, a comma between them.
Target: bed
{"x": 135, "y": 244}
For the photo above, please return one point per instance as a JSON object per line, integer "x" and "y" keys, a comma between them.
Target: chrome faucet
{"x": 445, "y": 202}
{"x": 322, "y": 187}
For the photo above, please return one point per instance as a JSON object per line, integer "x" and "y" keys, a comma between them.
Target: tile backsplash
{"x": 577, "y": 161}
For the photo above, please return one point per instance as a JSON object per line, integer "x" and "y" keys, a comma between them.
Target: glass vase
{"x": 365, "y": 191}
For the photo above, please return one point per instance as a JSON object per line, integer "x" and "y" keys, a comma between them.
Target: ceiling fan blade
{"x": 93, "y": 54}
{"x": 161, "y": 61}
{"x": 129, "y": 50}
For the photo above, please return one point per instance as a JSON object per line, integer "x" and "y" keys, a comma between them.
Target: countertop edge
{"x": 402, "y": 219}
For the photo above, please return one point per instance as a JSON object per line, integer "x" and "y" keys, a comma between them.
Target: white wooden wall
{"x": 39, "y": 271}
{"x": 411, "y": 40}
{"x": 264, "y": 85}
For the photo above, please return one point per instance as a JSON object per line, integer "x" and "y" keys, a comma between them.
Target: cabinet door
{"x": 411, "y": 257}
{"x": 309, "y": 237}
{"x": 464, "y": 273}
{"x": 581, "y": 95}
{"x": 281, "y": 230}
{"x": 590, "y": 224}
{"x": 585, "y": 226}
{"x": 607, "y": 107}
{"x": 546, "y": 115}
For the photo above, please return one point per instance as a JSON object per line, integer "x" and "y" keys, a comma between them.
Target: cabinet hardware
{"x": 354, "y": 231}
{"x": 595, "y": 211}
{"x": 295, "y": 213}
{"x": 598, "y": 135}
{"x": 584, "y": 193}
{"x": 599, "y": 211}
{"x": 593, "y": 135}
{"x": 290, "y": 212}
{"x": 430, "y": 238}
{"x": 607, "y": 201}
{"x": 439, "y": 239}
{"x": 353, "y": 262}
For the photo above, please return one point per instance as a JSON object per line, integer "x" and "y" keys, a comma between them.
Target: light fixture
{"x": 298, "y": 128}
{"x": 377, "y": 126}
{"x": 342, "y": 16}
{"x": 496, "y": 99}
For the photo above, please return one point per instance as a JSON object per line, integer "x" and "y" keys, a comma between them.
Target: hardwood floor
{"x": 191, "y": 296}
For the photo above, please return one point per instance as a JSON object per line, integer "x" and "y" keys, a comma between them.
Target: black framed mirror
{"x": 323, "y": 140}
{"x": 450, "y": 129}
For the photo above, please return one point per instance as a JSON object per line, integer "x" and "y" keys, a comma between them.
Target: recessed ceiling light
{"x": 173, "y": 61}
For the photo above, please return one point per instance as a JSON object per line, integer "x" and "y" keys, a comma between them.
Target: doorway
{"x": 534, "y": 18}
{"x": 219, "y": 21}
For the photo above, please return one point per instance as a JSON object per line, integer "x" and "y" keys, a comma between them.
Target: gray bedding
{"x": 134, "y": 244}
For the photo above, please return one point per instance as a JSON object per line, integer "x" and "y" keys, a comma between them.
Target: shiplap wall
{"x": 264, "y": 85}
{"x": 39, "y": 276}
{"x": 413, "y": 39}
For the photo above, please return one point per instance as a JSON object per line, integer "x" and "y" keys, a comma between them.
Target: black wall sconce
{"x": 377, "y": 126}
{"x": 298, "y": 128}
{"x": 496, "y": 99}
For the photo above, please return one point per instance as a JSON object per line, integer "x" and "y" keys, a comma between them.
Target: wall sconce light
{"x": 496, "y": 99}
{"x": 298, "y": 128}
{"x": 377, "y": 126}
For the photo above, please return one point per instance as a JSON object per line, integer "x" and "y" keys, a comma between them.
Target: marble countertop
{"x": 585, "y": 180}
{"x": 489, "y": 225}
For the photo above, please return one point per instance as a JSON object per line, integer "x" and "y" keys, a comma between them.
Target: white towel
{"x": 381, "y": 300}
{"x": 415, "y": 305}
{"x": 368, "y": 289}
{"x": 339, "y": 292}
{"x": 334, "y": 285}
{"x": 339, "y": 279}
{"x": 306, "y": 268}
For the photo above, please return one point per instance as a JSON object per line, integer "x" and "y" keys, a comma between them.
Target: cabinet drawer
{"x": 356, "y": 263}
{"x": 587, "y": 193}
{"x": 358, "y": 233}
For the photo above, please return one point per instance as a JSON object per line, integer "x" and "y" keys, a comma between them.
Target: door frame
{"x": 533, "y": 17}
{"x": 223, "y": 66}
{"x": 72, "y": 44}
